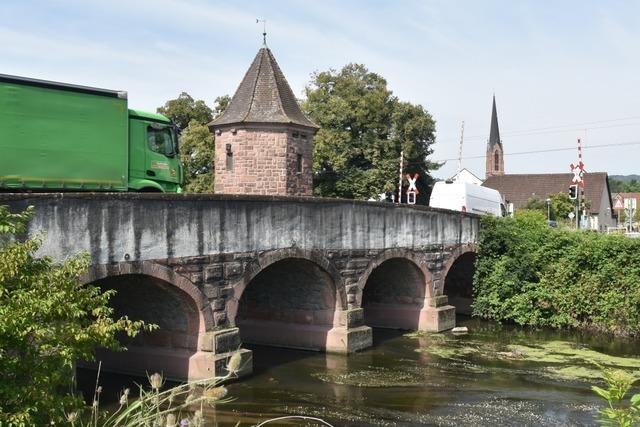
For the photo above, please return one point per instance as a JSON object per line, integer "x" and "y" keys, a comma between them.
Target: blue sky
{"x": 560, "y": 70}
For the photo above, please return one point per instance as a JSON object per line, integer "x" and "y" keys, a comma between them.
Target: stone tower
{"x": 495, "y": 153}
{"x": 263, "y": 140}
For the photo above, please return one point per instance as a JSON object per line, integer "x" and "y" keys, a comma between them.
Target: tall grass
{"x": 182, "y": 405}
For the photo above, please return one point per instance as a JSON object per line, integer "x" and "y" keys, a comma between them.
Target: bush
{"x": 619, "y": 411}
{"x": 532, "y": 274}
{"x": 48, "y": 320}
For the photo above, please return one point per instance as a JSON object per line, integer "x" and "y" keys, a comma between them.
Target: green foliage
{"x": 48, "y": 320}
{"x": 197, "y": 156}
{"x": 620, "y": 186}
{"x": 532, "y": 274}
{"x": 619, "y": 412}
{"x": 363, "y": 129}
{"x": 184, "y": 108}
{"x": 220, "y": 104}
{"x": 197, "y": 143}
{"x": 624, "y": 216}
{"x": 560, "y": 206}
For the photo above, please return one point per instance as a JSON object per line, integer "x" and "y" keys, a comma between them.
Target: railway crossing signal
{"x": 573, "y": 192}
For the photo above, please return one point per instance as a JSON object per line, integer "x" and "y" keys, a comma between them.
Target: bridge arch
{"x": 457, "y": 275}
{"x": 393, "y": 288}
{"x": 153, "y": 293}
{"x": 287, "y": 298}
{"x": 155, "y": 270}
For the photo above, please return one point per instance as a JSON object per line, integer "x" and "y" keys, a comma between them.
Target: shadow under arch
{"x": 458, "y": 279}
{"x": 288, "y": 298}
{"x": 393, "y": 291}
{"x": 150, "y": 292}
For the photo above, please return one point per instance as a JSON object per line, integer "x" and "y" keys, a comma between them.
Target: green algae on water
{"x": 560, "y": 360}
{"x": 372, "y": 377}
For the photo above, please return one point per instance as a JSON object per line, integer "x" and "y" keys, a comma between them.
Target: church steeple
{"x": 494, "y": 135}
{"x": 495, "y": 153}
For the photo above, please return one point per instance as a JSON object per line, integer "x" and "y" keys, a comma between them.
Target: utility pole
{"x": 460, "y": 150}
{"x": 400, "y": 177}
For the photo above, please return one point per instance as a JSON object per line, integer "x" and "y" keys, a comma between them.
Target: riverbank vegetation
{"x": 48, "y": 321}
{"x": 620, "y": 411}
{"x": 532, "y": 274}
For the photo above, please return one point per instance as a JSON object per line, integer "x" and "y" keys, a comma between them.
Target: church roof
{"x": 494, "y": 134}
{"x": 264, "y": 96}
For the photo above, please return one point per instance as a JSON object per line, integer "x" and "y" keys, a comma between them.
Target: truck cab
{"x": 154, "y": 162}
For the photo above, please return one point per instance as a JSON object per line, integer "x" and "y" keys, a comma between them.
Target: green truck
{"x": 62, "y": 137}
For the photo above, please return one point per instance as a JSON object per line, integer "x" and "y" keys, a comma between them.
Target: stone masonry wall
{"x": 259, "y": 162}
{"x": 300, "y": 183}
{"x": 264, "y": 162}
{"x": 217, "y": 275}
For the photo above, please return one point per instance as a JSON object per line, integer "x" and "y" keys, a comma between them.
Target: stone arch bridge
{"x": 215, "y": 271}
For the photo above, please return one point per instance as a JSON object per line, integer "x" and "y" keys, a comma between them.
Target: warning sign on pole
{"x": 412, "y": 191}
{"x": 618, "y": 202}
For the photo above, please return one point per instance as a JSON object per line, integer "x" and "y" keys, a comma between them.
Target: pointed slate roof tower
{"x": 495, "y": 152}
{"x": 263, "y": 139}
{"x": 264, "y": 96}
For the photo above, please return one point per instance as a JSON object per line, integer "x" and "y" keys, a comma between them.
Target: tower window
{"x": 496, "y": 161}
{"x": 298, "y": 163}
{"x": 229, "y": 164}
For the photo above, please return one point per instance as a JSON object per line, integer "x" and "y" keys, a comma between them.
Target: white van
{"x": 464, "y": 197}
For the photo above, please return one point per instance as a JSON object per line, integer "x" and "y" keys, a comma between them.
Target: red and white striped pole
{"x": 581, "y": 204}
{"x": 400, "y": 177}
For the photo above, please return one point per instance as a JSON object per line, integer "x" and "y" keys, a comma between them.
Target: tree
{"x": 48, "y": 320}
{"x": 624, "y": 186}
{"x": 412, "y": 129}
{"x": 184, "y": 108}
{"x": 561, "y": 205}
{"x": 624, "y": 216}
{"x": 197, "y": 156}
{"x": 363, "y": 128}
{"x": 220, "y": 104}
{"x": 196, "y": 142}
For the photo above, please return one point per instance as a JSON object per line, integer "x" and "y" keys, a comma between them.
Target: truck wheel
{"x": 149, "y": 190}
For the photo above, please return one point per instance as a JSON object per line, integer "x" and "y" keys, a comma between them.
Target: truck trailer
{"x": 63, "y": 137}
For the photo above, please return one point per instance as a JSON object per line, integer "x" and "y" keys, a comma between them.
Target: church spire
{"x": 495, "y": 153}
{"x": 494, "y": 135}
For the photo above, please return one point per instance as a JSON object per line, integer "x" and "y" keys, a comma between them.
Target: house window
{"x": 298, "y": 163}
{"x": 496, "y": 161}
{"x": 296, "y": 135}
{"x": 303, "y": 136}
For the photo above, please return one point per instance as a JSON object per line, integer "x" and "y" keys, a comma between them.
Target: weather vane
{"x": 264, "y": 30}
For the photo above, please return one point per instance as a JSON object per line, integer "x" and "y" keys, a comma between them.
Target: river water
{"x": 493, "y": 376}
